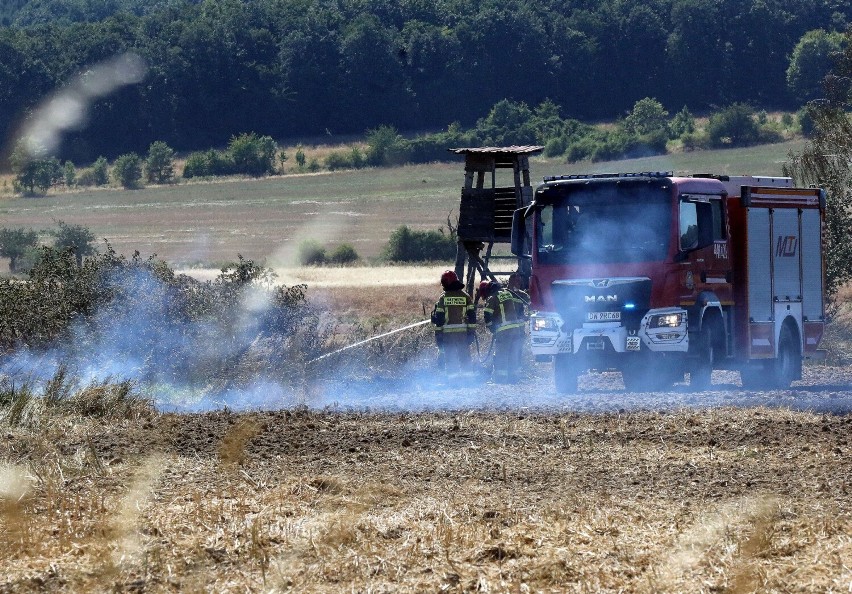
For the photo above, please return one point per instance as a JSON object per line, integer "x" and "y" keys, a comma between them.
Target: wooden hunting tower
{"x": 485, "y": 214}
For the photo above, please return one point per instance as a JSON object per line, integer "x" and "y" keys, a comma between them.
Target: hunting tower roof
{"x": 494, "y": 150}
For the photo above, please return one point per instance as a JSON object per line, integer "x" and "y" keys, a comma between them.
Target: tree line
{"x": 217, "y": 68}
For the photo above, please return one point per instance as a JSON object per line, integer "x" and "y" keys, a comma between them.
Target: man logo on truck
{"x": 786, "y": 247}
{"x": 601, "y": 298}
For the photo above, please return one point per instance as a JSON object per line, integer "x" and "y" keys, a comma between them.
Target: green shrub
{"x": 14, "y": 244}
{"x": 338, "y": 160}
{"x": 31, "y": 173}
{"x": 733, "y": 126}
{"x": 251, "y": 154}
{"x": 311, "y": 253}
{"x": 127, "y": 170}
{"x": 381, "y": 143}
{"x": 69, "y": 174}
{"x": 682, "y": 123}
{"x": 207, "y": 163}
{"x": 343, "y": 254}
{"x": 160, "y": 163}
{"x": 77, "y": 239}
{"x": 300, "y": 158}
{"x": 100, "y": 171}
{"x": 409, "y": 245}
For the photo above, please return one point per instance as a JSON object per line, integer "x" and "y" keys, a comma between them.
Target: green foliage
{"x": 205, "y": 164}
{"x": 35, "y": 173}
{"x": 410, "y": 245}
{"x": 508, "y": 123}
{"x": 297, "y": 69}
{"x": 311, "y": 253}
{"x": 251, "y": 154}
{"x": 811, "y": 60}
{"x": 733, "y": 126}
{"x": 160, "y": 163}
{"x": 75, "y": 239}
{"x": 351, "y": 159}
{"x": 100, "y": 171}
{"x": 14, "y": 243}
{"x": 300, "y": 158}
{"x": 343, "y": 254}
{"x": 69, "y": 174}
{"x": 647, "y": 117}
{"x": 127, "y": 170}
{"x": 382, "y": 144}
{"x": 682, "y": 123}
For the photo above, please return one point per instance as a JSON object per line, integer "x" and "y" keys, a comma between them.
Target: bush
{"x": 32, "y": 174}
{"x": 14, "y": 244}
{"x": 338, "y": 160}
{"x": 160, "y": 163}
{"x": 251, "y": 154}
{"x": 207, "y": 163}
{"x": 127, "y": 170}
{"x": 343, "y": 254}
{"x": 733, "y": 126}
{"x": 311, "y": 253}
{"x": 69, "y": 174}
{"x": 380, "y": 143}
{"x": 100, "y": 171}
{"x": 408, "y": 245}
{"x": 74, "y": 238}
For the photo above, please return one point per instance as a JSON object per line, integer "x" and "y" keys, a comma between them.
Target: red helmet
{"x": 448, "y": 278}
{"x": 484, "y": 286}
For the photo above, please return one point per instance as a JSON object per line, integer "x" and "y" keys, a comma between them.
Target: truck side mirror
{"x": 519, "y": 229}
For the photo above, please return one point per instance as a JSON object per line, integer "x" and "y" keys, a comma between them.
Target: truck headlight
{"x": 543, "y": 324}
{"x": 669, "y": 320}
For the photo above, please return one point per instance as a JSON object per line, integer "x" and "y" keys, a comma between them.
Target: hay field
{"x": 719, "y": 500}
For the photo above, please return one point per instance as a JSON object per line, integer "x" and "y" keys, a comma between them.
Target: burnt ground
{"x": 474, "y": 488}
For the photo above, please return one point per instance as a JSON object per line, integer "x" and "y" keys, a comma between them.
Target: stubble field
{"x": 418, "y": 484}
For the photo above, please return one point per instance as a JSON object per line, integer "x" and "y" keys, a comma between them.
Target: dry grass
{"x": 722, "y": 500}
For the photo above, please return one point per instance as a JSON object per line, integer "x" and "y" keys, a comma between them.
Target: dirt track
{"x": 719, "y": 491}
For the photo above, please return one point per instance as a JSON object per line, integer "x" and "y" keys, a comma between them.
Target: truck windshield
{"x": 604, "y": 223}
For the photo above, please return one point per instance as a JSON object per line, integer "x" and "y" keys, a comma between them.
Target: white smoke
{"x": 68, "y": 108}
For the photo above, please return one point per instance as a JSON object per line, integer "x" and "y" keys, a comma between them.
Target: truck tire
{"x": 565, "y": 373}
{"x": 701, "y": 374}
{"x": 788, "y": 366}
{"x": 776, "y": 373}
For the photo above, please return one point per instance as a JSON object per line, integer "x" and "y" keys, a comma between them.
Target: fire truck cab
{"x": 659, "y": 276}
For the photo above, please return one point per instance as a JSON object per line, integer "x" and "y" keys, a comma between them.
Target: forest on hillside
{"x": 297, "y": 68}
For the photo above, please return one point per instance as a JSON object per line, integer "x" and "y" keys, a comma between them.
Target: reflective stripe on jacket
{"x": 504, "y": 311}
{"x": 454, "y": 312}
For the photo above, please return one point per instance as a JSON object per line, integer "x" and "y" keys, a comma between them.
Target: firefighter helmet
{"x": 484, "y": 286}
{"x": 448, "y": 278}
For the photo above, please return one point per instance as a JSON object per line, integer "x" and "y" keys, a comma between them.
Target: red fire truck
{"x": 659, "y": 276}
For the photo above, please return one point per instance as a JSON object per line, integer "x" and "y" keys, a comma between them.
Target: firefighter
{"x": 454, "y": 320}
{"x": 504, "y": 317}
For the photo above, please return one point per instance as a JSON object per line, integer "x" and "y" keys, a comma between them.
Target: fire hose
{"x": 372, "y": 338}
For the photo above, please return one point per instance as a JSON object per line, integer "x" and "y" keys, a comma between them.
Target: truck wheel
{"x": 701, "y": 374}
{"x": 788, "y": 366}
{"x": 565, "y": 373}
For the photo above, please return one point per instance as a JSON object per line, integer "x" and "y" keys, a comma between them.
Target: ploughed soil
{"x": 724, "y": 491}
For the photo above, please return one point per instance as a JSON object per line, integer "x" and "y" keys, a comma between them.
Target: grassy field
{"x": 207, "y": 224}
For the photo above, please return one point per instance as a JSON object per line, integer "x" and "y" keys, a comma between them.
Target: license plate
{"x": 603, "y": 316}
{"x": 633, "y": 343}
